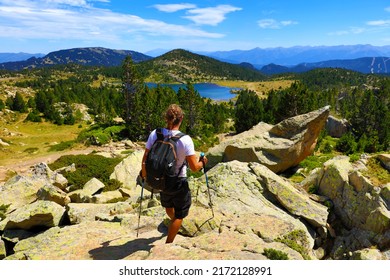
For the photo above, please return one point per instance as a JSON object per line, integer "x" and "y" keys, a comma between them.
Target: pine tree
{"x": 249, "y": 111}
{"x": 192, "y": 104}
{"x": 132, "y": 84}
{"x": 19, "y": 104}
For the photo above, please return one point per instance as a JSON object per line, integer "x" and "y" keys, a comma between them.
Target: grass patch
{"x": 61, "y": 146}
{"x": 327, "y": 144}
{"x": 312, "y": 162}
{"x": 88, "y": 167}
{"x": 296, "y": 240}
{"x": 98, "y": 135}
{"x": 26, "y": 137}
{"x": 261, "y": 88}
{"x": 273, "y": 254}
{"x": 376, "y": 173}
{"x": 31, "y": 150}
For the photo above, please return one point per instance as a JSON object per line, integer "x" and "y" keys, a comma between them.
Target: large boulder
{"x": 53, "y": 193}
{"x": 43, "y": 171}
{"x": 88, "y": 212}
{"x": 295, "y": 201}
{"x": 385, "y": 161}
{"x": 336, "y": 127}
{"x": 108, "y": 197}
{"x": 357, "y": 202}
{"x": 39, "y": 214}
{"x": 128, "y": 169}
{"x": 278, "y": 147}
{"x": 85, "y": 241}
{"x": 19, "y": 191}
{"x": 240, "y": 201}
{"x": 85, "y": 195}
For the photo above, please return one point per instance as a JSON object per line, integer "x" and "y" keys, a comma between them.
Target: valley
{"x": 75, "y": 135}
{"x": 98, "y": 88}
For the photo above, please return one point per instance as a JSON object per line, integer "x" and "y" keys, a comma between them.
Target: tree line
{"x": 361, "y": 99}
{"x": 141, "y": 107}
{"x": 145, "y": 107}
{"x": 365, "y": 108}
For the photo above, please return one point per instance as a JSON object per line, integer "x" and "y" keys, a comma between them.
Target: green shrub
{"x": 61, "y": 146}
{"x": 354, "y": 157}
{"x": 33, "y": 116}
{"x": 99, "y": 135}
{"x": 312, "y": 162}
{"x": 327, "y": 148}
{"x": 112, "y": 185}
{"x": 347, "y": 144}
{"x": 31, "y": 150}
{"x": 88, "y": 167}
{"x": 296, "y": 240}
{"x": 273, "y": 254}
{"x": 376, "y": 173}
{"x": 114, "y": 131}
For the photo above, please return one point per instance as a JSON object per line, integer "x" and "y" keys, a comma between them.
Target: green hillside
{"x": 183, "y": 66}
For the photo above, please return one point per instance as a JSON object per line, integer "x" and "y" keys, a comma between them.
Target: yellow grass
{"x": 261, "y": 88}
{"x": 28, "y": 140}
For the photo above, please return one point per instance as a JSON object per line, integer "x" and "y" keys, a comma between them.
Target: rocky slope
{"x": 254, "y": 208}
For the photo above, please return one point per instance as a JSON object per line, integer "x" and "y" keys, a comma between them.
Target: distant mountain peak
{"x": 20, "y": 56}
{"x": 287, "y": 56}
{"x": 90, "y": 56}
{"x": 180, "y": 65}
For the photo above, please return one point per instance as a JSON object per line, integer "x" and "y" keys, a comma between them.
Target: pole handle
{"x": 201, "y": 158}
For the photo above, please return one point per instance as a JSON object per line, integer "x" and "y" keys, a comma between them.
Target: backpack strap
{"x": 160, "y": 135}
{"x": 176, "y": 138}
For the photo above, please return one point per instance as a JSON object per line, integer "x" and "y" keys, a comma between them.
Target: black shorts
{"x": 180, "y": 199}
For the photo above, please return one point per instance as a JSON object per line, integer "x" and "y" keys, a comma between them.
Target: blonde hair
{"x": 173, "y": 115}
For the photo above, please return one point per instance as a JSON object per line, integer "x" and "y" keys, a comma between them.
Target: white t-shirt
{"x": 185, "y": 147}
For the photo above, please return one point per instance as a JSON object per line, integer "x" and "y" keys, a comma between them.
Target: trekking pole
{"x": 140, "y": 205}
{"x": 207, "y": 183}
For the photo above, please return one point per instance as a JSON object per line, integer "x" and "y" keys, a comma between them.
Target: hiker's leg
{"x": 173, "y": 229}
{"x": 170, "y": 212}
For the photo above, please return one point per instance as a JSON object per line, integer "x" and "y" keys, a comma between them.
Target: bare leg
{"x": 174, "y": 226}
{"x": 170, "y": 212}
{"x": 173, "y": 229}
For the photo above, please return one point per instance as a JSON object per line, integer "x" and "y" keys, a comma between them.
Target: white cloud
{"x": 387, "y": 9}
{"x": 21, "y": 19}
{"x": 274, "y": 24}
{"x": 379, "y": 23}
{"x": 210, "y": 16}
{"x": 76, "y": 3}
{"x": 171, "y": 8}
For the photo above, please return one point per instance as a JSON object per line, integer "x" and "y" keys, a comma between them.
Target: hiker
{"x": 176, "y": 198}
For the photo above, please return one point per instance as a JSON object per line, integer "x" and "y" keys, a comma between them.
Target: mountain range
{"x": 6, "y": 57}
{"x": 361, "y": 58}
{"x": 300, "y": 54}
{"x": 367, "y": 65}
{"x": 84, "y": 56}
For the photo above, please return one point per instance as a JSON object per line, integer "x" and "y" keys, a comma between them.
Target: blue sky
{"x": 200, "y": 25}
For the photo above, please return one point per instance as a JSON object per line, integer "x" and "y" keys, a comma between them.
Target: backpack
{"x": 161, "y": 162}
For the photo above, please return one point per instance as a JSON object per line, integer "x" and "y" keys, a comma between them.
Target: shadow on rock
{"x": 118, "y": 252}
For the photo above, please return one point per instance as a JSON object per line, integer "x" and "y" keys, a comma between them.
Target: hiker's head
{"x": 174, "y": 115}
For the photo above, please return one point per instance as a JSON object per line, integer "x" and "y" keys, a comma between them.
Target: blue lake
{"x": 207, "y": 90}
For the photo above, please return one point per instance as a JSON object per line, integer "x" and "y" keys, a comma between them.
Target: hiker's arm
{"x": 143, "y": 167}
{"x": 194, "y": 163}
